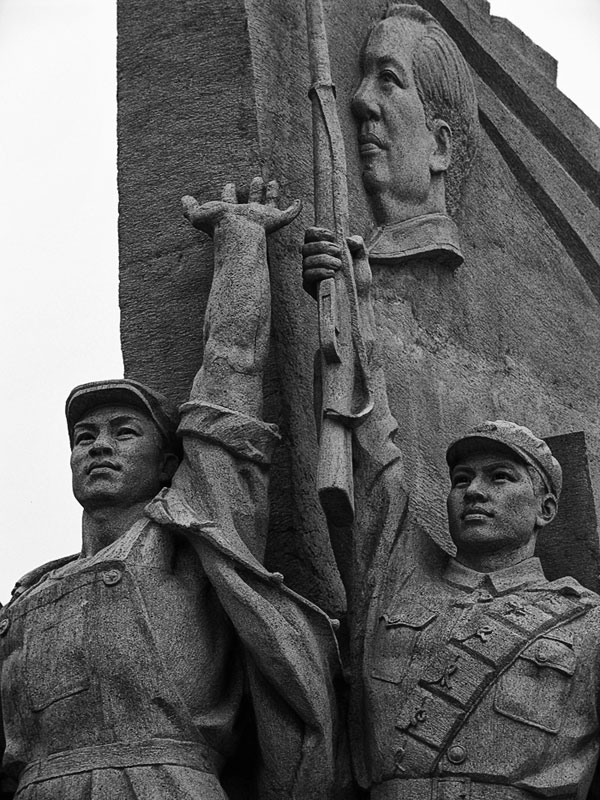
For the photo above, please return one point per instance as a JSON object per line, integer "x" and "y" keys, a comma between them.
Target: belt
{"x": 449, "y": 789}
{"x": 120, "y": 755}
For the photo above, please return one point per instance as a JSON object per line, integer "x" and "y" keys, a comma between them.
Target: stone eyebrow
{"x": 84, "y": 424}
{"x": 124, "y": 418}
{"x": 461, "y": 468}
{"x": 113, "y": 421}
{"x": 500, "y": 464}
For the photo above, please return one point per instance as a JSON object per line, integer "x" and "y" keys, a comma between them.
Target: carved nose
{"x": 363, "y": 104}
{"x": 101, "y": 446}
{"x": 475, "y": 490}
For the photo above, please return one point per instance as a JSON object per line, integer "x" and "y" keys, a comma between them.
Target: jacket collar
{"x": 503, "y": 581}
{"x": 430, "y": 236}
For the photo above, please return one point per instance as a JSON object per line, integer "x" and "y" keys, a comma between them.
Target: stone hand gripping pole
{"x": 346, "y": 395}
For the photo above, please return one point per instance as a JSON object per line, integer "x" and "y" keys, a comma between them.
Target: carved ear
{"x": 442, "y": 155}
{"x": 547, "y": 510}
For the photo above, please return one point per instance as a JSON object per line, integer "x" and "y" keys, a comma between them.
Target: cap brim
{"x": 86, "y": 397}
{"x": 477, "y": 443}
{"x": 469, "y": 445}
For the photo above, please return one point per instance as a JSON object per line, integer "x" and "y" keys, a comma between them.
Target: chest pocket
{"x": 535, "y": 689}
{"x": 55, "y": 662}
{"x": 397, "y": 635}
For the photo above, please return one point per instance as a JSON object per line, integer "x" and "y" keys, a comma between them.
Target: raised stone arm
{"x": 224, "y": 436}
{"x": 218, "y": 501}
{"x": 237, "y": 322}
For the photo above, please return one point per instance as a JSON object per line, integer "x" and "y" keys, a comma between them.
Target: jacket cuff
{"x": 244, "y": 436}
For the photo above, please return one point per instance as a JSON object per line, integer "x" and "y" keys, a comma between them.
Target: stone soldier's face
{"x": 395, "y": 144}
{"x": 492, "y": 505}
{"x": 117, "y": 458}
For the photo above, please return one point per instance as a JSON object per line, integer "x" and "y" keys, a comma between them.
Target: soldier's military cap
{"x": 520, "y": 440}
{"x": 127, "y": 392}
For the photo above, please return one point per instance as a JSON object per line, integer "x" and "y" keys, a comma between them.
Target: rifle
{"x": 346, "y": 396}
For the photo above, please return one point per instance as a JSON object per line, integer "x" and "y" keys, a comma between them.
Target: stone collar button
{"x": 111, "y": 577}
{"x": 4, "y": 626}
{"x": 457, "y": 754}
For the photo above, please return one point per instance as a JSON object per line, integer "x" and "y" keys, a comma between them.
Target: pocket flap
{"x": 408, "y": 613}
{"x": 550, "y": 652}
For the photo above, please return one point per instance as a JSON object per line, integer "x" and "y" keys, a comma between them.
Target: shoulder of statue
{"x": 35, "y": 575}
{"x": 570, "y": 587}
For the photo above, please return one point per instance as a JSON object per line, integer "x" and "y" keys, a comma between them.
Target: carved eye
{"x": 83, "y": 437}
{"x": 125, "y": 432}
{"x": 390, "y": 78}
{"x": 460, "y": 479}
{"x": 502, "y": 475}
{"x": 387, "y": 76}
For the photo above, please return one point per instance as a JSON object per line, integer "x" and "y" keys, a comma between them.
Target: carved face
{"x": 492, "y": 505}
{"x": 396, "y": 147}
{"x": 117, "y": 458}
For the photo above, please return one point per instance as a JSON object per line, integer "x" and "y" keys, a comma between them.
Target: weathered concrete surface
{"x": 212, "y": 93}
{"x": 566, "y": 548}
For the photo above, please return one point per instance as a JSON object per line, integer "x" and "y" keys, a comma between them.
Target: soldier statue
{"x": 139, "y": 667}
{"x": 472, "y": 677}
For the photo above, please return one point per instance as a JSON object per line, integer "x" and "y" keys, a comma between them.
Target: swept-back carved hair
{"x": 446, "y": 89}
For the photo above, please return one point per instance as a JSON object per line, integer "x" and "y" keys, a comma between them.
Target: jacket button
{"x": 457, "y": 754}
{"x": 111, "y": 577}
{"x": 4, "y": 626}
{"x": 543, "y": 652}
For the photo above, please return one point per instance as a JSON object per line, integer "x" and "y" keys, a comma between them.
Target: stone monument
{"x": 506, "y": 335}
{"x": 475, "y": 298}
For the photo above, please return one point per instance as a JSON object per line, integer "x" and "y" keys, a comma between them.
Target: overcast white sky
{"x": 59, "y": 322}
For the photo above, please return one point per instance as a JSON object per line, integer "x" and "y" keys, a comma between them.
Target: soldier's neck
{"x": 390, "y": 207}
{"x": 103, "y": 526}
{"x": 501, "y": 559}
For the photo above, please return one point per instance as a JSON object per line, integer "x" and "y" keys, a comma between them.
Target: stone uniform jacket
{"x": 456, "y": 674}
{"x": 126, "y": 674}
{"x": 492, "y": 677}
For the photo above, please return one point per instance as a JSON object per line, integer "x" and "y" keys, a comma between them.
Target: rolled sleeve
{"x": 244, "y": 436}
